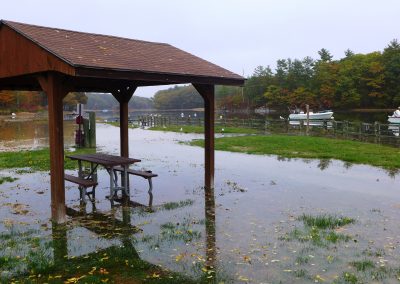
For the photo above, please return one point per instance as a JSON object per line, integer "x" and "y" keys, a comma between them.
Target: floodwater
{"x": 29, "y": 134}
{"x": 246, "y": 235}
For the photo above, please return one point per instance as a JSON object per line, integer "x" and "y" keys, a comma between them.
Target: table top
{"x": 104, "y": 159}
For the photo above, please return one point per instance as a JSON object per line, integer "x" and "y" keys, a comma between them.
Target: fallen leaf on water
{"x": 247, "y": 258}
{"x": 242, "y": 278}
{"x": 179, "y": 257}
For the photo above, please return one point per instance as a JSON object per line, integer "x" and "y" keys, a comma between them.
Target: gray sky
{"x": 236, "y": 34}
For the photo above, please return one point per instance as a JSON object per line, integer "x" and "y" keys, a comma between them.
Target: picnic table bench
{"x": 112, "y": 164}
{"x": 83, "y": 185}
{"x": 108, "y": 162}
{"x": 144, "y": 174}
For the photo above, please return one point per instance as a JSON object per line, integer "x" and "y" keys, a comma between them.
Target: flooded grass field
{"x": 273, "y": 220}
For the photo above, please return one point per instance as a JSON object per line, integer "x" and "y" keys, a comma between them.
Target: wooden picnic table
{"x": 109, "y": 162}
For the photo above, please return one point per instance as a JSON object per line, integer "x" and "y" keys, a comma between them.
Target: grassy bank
{"x": 200, "y": 129}
{"x": 312, "y": 148}
{"x": 36, "y": 160}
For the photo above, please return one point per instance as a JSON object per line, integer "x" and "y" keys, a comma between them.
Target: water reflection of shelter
{"x": 103, "y": 225}
{"x": 107, "y": 227}
{"x": 59, "y": 61}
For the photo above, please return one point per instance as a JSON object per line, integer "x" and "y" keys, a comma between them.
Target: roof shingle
{"x": 109, "y": 52}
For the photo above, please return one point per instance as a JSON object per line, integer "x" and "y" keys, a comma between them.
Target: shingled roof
{"x": 102, "y": 52}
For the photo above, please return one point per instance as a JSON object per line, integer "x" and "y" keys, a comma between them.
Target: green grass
{"x": 319, "y": 230}
{"x": 315, "y": 236}
{"x": 325, "y": 221}
{"x": 311, "y": 148}
{"x": 349, "y": 277}
{"x": 36, "y": 160}
{"x": 200, "y": 129}
{"x": 176, "y": 205}
{"x": 7, "y": 179}
{"x": 362, "y": 265}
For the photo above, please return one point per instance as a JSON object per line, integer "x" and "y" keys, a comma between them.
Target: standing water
{"x": 273, "y": 220}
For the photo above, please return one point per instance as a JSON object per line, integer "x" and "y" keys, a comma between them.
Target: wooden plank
{"x": 144, "y": 174}
{"x": 103, "y": 159}
{"x": 80, "y": 181}
{"x": 157, "y": 78}
{"x": 21, "y": 56}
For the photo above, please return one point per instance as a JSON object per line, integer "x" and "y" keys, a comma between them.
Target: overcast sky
{"x": 236, "y": 34}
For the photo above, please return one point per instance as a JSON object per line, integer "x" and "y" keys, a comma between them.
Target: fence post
{"x": 308, "y": 119}
{"x": 334, "y": 126}
{"x": 92, "y": 129}
{"x": 286, "y": 121}
{"x": 86, "y": 132}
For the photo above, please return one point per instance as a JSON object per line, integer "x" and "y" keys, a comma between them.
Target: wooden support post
{"x": 207, "y": 92}
{"x": 56, "y": 89}
{"x": 123, "y": 95}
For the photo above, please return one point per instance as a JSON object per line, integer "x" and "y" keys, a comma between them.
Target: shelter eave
{"x": 20, "y": 83}
{"x": 144, "y": 78}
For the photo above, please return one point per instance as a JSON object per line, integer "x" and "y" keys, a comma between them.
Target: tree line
{"x": 356, "y": 81}
{"x": 100, "y": 101}
{"x": 32, "y": 101}
{"x": 178, "y": 97}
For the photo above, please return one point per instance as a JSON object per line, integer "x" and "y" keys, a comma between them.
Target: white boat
{"x": 312, "y": 115}
{"x": 393, "y": 119}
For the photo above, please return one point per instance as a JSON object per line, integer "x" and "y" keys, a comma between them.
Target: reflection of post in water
{"x": 210, "y": 229}
{"x": 126, "y": 236}
{"x": 60, "y": 244}
{"x": 103, "y": 225}
{"x": 125, "y": 201}
{"x": 108, "y": 226}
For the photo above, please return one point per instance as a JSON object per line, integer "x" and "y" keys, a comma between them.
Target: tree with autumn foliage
{"x": 356, "y": 81}
{"x": 7, "y": 99}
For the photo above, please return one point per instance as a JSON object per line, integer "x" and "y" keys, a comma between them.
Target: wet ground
{"x": 255, "y": 236}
